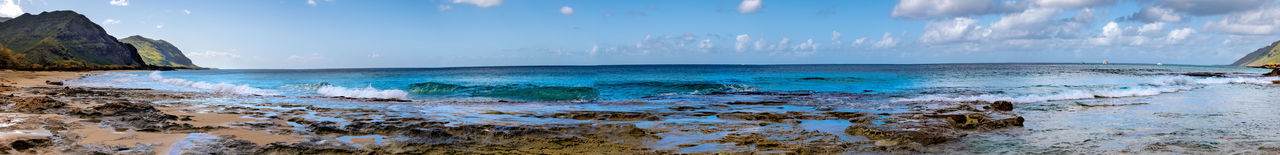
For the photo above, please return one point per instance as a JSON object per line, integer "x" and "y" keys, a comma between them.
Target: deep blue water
{"x": 1016, "y": 82}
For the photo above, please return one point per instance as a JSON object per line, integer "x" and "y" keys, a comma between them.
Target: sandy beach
{"x": 44, "y": 116}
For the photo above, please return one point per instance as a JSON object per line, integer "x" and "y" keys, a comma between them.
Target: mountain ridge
{"x": 158, "y": 52}
{"x": 1260, "y": 57}
{"x": 65, "y": 37}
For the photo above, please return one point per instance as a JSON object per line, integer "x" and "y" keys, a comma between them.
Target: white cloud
{"x": 213, "y": 54}
{"x": 921, "y": 9}
{"x": 1179, "y": 34}
{"x": 566, "y": 10}
{"x": 859, "y": 41}
{"x": 1029, "y": 23}
{"x": 443, "y": 7}
{"x": 886, "y": 42}
{"x": 480, "y": 3}
{"x": 706, "y": 44}
{"x": 595, "y": 49}
{"x": 1258, "y": 22}
{"x": 741, "y": 44}
{"x": 1071, "y": 4}
{"x": 1150, "y": 29}
{"x": 10, "y": 8}
{"x": 762, "y": 46}
{"x": 110, "y": 21}
{"x": 120, "y": 2}
{"x": 1154, "y": 14}
{"x": 311, "y": 2}
{"x": 750, "y": 6}
{"x": 1109, "y": 33}
{"x": 159, "y": 26}
{"x": 947, "y": 30}
{"x": 835, "y": 35}
{"x": 807, "y": 45}
{"x": 313, "y": 57}
{"x": 186, "y": 11}
{"x": 782, "y": 44}
{"x": 1213, "y": 7}
{"x": 374, "y": 55}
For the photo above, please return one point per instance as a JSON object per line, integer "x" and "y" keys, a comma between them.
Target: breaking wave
{"x": 224, "y": 88}
{"x": 1156, "y": 87}
{"x": 367, "y": 92}
{"x": 561, "y": 93}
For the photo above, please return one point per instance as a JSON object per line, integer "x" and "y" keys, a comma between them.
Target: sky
{"x": 453, "y": 33}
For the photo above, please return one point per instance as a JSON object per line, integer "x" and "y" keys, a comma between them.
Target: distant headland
{"x": 69, "y": 41}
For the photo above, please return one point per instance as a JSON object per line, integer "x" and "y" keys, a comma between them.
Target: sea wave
{"x": 434, "y": 88}
{"x": 1155, "y": 87}
{"x": 562, "y": 93}
{"x": 541, "y": 93}
{"x": 660, "y": 88}
{"x": 225, "y": 88}
{"x": 367, "y": 92}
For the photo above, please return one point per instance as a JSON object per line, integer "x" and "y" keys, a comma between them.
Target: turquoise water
{"x": 951, "y": 82}
{"x": 1069, "y": 108}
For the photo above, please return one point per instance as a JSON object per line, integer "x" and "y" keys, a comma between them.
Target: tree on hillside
{"x": 9, "y": 59}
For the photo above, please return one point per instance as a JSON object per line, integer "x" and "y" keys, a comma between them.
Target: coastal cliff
{"x": 51, "y": 38}
{"x": 158, "y": 52}
{"x": 1262, "y": 56}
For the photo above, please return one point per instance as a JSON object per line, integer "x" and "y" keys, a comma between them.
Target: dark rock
{"x": 980, "y": 121}
{"x": 756, "y": 103}
{"x": 685, "y": 108}
{"x": 609, "y": 116}
{"x": 790, "y": 116}
{"x": 922, "y": 134}
{"x": 1205, "y": 74}
{"x": 25, "y": 144}
{"x": 56, "y": 83}
{"x": 1274, "y": 72}
{"x": 34, "y": 104}
{"x": 1002, "y": 105}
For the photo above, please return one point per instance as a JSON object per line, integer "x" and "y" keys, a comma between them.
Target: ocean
{"x": 1069, "y": 108}
{"x": 948, "y": 82}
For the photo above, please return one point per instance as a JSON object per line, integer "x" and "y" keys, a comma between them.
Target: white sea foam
{"x": 1155, "y": 87}
{"x": 368, "y": 92}
{"x": 215, "y": 87}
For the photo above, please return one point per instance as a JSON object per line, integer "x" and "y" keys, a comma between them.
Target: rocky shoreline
{"x": 52, "y": 119}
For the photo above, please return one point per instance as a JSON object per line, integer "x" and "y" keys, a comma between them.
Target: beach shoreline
{"x": 66, "y": 119}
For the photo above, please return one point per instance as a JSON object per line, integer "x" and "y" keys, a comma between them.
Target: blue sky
{"x": 447, "y": 33}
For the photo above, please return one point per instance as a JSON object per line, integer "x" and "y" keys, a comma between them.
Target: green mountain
{"x": 1261, "y": 57}
{"x": 158, "y": 52}
{"x": 65, "y": 37}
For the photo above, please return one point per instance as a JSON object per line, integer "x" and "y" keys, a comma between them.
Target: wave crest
{"x": 1155, "y": 87}
{"x": 222, "y": 88}
{"x": 367, "y": 92}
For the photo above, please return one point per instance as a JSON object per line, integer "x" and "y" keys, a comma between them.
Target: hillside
{"x": 158, "y": 52}
{"x": 65, "y": 38}
{"x": 1260, "y": 57}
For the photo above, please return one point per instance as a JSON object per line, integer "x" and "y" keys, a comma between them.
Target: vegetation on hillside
{"x": 64, "y": 38}
{"x": 158, "y": 52}
{"x": 1262, "y": 56}
{"x": 14, "y": 61}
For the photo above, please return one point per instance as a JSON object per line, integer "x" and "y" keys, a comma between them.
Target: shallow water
{"x": 1069, "y": 108}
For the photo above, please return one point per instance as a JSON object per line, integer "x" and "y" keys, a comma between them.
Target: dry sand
{"x": 38, "y": 78}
